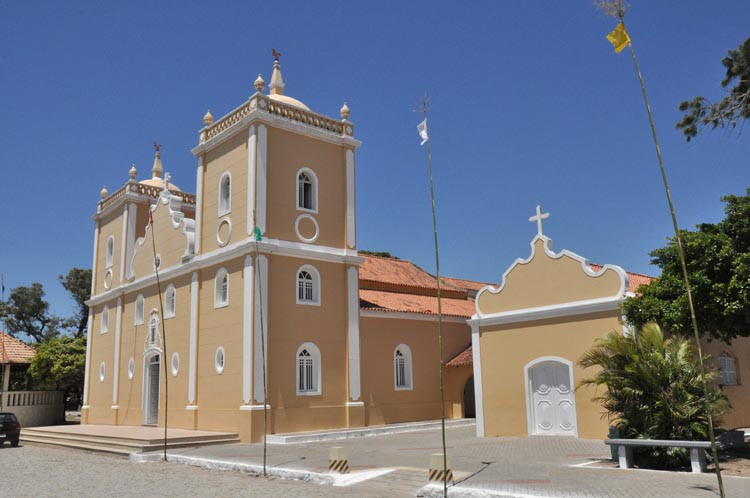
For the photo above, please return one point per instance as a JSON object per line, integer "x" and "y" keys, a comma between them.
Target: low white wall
{"x": 35, "y": 408}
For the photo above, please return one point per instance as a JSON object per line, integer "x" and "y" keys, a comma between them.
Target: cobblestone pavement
{"x": 40, "y": 471}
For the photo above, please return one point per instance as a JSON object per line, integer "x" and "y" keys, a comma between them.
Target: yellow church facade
{"x": 266, "y": 305}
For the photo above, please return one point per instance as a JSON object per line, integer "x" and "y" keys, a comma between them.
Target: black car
{"x": 10, "y": 429}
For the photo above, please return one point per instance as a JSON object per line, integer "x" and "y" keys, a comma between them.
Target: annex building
{"x": 260, "y": 267}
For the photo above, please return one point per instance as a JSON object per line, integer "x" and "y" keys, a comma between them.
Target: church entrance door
{"x": 151, "y": 388}
{"x": 550, "y": 398}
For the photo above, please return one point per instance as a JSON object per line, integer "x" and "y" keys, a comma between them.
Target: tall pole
{"x": 258, "y": 238}
{"x": 681, "y": 253}
{"x": 440, "y": 311}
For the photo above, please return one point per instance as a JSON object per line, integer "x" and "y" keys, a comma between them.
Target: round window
{"x": 131, "y": 368}
{"x": 175, "y": 364}
{"x": 219, "y": 360}
{"x": 101, "y": 372}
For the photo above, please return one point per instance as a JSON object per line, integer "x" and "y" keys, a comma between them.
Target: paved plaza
{"x": 509, "y": 467}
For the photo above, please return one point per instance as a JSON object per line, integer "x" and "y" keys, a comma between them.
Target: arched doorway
{"x": 151, "y": 366}
{"x": 550, "y": 399}
{"x": 470, "y": 410}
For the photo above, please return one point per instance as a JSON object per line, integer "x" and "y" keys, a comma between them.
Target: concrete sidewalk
{"x": 396, "y": 465}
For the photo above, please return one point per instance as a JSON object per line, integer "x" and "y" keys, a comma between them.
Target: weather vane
{"x": 276, "y": 54}
{"x": 157, "y": 146}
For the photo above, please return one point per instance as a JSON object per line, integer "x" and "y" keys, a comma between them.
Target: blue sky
{"x": 529, "y": 106}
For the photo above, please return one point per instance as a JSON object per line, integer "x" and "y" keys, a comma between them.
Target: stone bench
{"x": 625, "y": 450}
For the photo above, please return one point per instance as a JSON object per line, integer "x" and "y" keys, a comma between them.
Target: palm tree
{"x": 653, "y": 389}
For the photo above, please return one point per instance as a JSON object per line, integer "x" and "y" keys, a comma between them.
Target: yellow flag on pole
{"x": 619, "y": 38}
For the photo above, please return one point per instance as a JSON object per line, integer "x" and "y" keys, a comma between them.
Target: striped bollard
{"x": 337, "y": 460}
{"x": 436, "y": 473}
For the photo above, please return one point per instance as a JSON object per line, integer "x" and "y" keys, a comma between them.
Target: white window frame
{"x": 170, "y": 302}
{"x": 139, "y": 312}
{"x": 315, "y": 370}
{"x": 314, "y": 194}
{"x": 728, "y": 376}
{"x": 315, "y": 275}
{"x": 406, "y": 358}
{"x": 225, "y": 207}
{"x": 219, "y": 367}
{"x": 153, "y": 321}
{"x": 218, "y": 301}
{"x": 109, "y": 259}
{"x": 104, "y": 320}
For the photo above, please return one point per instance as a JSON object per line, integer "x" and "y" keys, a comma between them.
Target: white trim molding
{"x": 352, "y": 301}
{"x": 260, "y": 179}
{"x": 219, "y": 302}
{"x": 351, "y": 201}
{"x": 193, "y": 355}
{"x": 89, "y": 340}
{"x": 124, "y": 243}
{"x": 316, "y": 285}
{"x": 224, "y": 210}
{"x": 314, "y": 195}
{"x": 252, "y": 151}
{"x": 247, "y": 330}
{"x": 550, "y": 311}
{"x": 529, "y": 398}
{"x": 260, "y": 281}
{"x": 316, "y": 359}
{"x": 408, "y": 384}
{"x": 477, "y": 361}
{"x": 406, "y": 315}
{"x": 307, "y": 240}
{"x": 116, "y": 363}
{"x": 199, "y": 203}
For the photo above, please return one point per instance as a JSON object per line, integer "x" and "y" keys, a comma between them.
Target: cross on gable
{"x": 538, "y": 218}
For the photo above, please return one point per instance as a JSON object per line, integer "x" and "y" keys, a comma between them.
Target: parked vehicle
{"x": 10, "y": 429}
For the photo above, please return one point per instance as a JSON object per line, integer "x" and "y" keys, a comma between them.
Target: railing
{"x": 140, "y": 188}
{"x": 293, "y": 113}
{"x": 35, "y": 408}
{"x": 31, "y": 398}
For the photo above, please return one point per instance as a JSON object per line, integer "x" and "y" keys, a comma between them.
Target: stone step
{"x": 377, "y": 430}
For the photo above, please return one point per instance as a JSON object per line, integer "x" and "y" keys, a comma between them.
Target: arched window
{"x": 110, "y": 251}
{"x": 105, "y": 320}
{"x": 402, "y": 367}
{"x": 307, "y": 190}
{"x": 221, "y": 288}
{"x": 170, "y": 301}
{"x": 308, "y": 370}
{"x": 225, "y": 194}
{"x": 727, "y": 369}
{"x": 308, "y": 285}
{"x": 139, "y": 310}
{"x": 153, "y": 330}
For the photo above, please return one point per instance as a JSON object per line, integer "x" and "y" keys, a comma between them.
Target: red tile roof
{"x": 397, "y": 272}
{"x": 635, "y": 280}
{"x": 376, "y": 300}
{"x": 471, "y": 285}
{"x": 462, "y": 359}
{"x": 14, "y": 351}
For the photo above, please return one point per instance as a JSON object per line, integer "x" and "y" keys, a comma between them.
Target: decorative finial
{"x": 167, "y": 177}
{"x": 133, "y": 172}
{"x": 156, "y": 169}
{"x": 208, "y": 118}
{"x": 259, "y": 84}
{"x": 345, "y": 112}
{"x": 538, "y": 218}
{"x": 277, "y": 82}
{"x": 104, "y": 193}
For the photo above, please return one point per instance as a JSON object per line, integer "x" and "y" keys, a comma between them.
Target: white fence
{"x": 35, "y": 408}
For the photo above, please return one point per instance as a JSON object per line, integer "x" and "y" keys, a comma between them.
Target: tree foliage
{"x": 730, "y": 110}
{"x": 381, "y": 254}
{"x": 78, "y": 283}
{"x": 653, "y": 389}
{"x": 26, "y": 312}
{"x": 718, "y": 262}
{"x": 59, "y": 364}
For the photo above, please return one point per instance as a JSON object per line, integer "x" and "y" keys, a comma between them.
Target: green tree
{"x": 653, "y": 389}
{"x": 730, "y": 110}
{"x": 78, "y": 283}
{"x": 26, "y": 312}
{"x": 59, "y": 365}
{"x": 718, "y": 261}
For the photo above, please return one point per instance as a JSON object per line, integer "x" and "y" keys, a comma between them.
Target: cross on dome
{"x": 538, "y": 218}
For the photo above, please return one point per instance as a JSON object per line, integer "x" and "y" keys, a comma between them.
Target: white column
{"x": 124, "y": 243}
{"x": 116, "y": 368}
{"x": 351, "y": 233}
{"x": 477, "y": 360}
{"x": 89, "y": 336}
{"x": 93, "y": 264}
{"x": 199, "y": 204}
{"x": 193, "y": 354}
{"x": 252, "y": 140}
{"x": 247, "y": 330}
{"x": 353, "y": 334}
{"x": 261, "y": 293}
{"x": 260, "y": 187}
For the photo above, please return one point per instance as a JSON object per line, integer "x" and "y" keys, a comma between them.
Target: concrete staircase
{"x": 120, "y": 445}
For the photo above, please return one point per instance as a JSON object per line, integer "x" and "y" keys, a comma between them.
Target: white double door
{"x": 552, "y": 399}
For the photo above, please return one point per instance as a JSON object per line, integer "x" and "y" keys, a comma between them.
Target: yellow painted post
{"x": 337, "y": 460}
{"x": 436, "y": 473}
